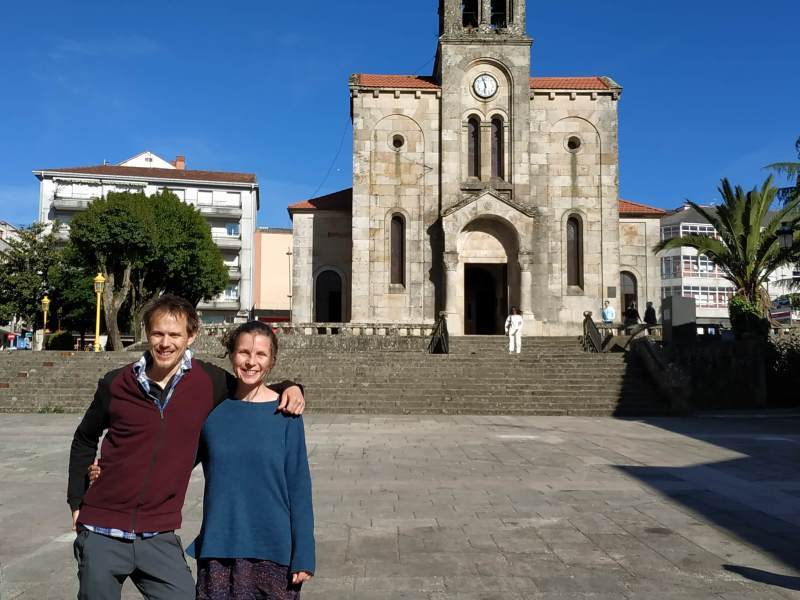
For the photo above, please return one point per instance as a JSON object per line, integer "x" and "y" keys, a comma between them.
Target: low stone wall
{"x": 708, "y": 374}
{"x": 349, "y": 337}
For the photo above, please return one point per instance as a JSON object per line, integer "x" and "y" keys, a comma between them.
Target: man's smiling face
{"x": 168, "y": 337}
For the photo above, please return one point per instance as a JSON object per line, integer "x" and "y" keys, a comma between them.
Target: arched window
{"x": 574, "y": 252}
{"x": 398, "y": 250}
{"x": 469, "y": 13}
{"x": 498, "y": 150}
{"x": 474, "y": 147}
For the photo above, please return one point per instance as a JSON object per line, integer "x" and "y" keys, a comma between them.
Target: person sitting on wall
{"x": 632, "y": 317}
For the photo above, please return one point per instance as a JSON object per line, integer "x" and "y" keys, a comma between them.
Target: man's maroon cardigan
{"x": 147, "y": 459}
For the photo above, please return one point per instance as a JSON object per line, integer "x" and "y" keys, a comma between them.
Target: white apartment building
{"x": 228, "y": 200}
{"x": 684, "y": 273}
{"x": 7, "y": 232}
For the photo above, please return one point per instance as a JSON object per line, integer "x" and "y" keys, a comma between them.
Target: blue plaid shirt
{"x": 140, "y": 372}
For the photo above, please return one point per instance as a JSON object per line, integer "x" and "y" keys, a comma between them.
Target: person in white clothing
{"x": 514, "y": 331}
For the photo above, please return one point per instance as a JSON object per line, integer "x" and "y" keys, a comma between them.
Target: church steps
{"x": 550, "y": 377}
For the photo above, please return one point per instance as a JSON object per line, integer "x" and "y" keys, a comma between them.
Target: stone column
{"x": 526, "y": 284}
{"x": 451, "y": 289}
{"x": 486, "y": 15}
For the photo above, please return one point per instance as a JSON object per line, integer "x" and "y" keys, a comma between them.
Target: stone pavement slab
{"x": 469, "y": 508}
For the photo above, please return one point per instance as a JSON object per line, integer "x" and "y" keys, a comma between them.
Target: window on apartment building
{"x": 181, "y": 194}
{"x": 474, "y": 147}
{"x": 233, "y": 199}
{"x": 669, "y": 232}
{"x": 698, "y": 229}
{"x": 232, "y": 292}
{"x": 671, "y": 267}
{"x": 398, "y": 250}
{"x": 205, "y": 197}
{"x": 574, "y": 252}
{"x": 498, "y": 149}
{"x": 232, "y": 229}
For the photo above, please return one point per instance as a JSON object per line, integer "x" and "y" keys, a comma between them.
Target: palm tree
{"x": 747, "y": 248}
{"x": 792, "y": 171}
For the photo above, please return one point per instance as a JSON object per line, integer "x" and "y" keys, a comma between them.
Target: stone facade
{"x": 487, "y": 170}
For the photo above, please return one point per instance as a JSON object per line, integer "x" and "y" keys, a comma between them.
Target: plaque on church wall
{"x": 611, "y": 291}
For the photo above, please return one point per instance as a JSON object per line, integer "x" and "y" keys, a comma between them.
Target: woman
{"x": 514, "y": 331}
{"x": 257, "y": 536}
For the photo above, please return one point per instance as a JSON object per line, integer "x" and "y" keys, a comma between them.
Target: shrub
{"x": 784, "y": 363}
{"x": 747, "y": 319}
{"x": 60, "y": 341}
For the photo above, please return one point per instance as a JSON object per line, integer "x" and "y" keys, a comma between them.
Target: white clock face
{"x": 485, "y": 86}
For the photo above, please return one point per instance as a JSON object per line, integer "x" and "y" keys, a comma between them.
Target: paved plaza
{"x": 485, "y": 507}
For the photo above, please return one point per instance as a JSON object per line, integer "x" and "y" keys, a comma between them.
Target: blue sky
{"x": 711, "y": 87}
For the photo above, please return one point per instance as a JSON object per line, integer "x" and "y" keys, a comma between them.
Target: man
{"x": 153, "y": 411}
{"x": 608, "y": 314}
{"x": 650, "y": 317}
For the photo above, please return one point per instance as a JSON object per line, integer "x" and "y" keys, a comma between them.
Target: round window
{"x": 573, "y": 143}
{"x": 398, "y": 141}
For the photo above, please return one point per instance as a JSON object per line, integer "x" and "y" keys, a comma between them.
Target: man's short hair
{"x": 175, "y": 306}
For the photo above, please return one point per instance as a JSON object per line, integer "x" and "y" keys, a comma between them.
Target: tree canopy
{"x": 25, "y": 271}
{"x": 146, "y": 246}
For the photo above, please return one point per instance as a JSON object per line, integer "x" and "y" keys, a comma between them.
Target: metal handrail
{"x": 592, "y": 340}
{"x": 440, "y": 339}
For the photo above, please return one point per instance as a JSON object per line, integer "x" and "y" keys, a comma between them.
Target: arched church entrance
{"x": 328, "y": 297}
{"x": 488, "y": 249}
{"x": 629, "y": 288}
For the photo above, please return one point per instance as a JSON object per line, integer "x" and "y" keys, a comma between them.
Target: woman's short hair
{"x": 255, "y": 327}
{"x": 174, "y": 306}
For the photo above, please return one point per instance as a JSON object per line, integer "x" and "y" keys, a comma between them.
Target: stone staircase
{"x": 552, "y": 376}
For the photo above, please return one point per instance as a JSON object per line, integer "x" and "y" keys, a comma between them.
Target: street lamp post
{"x": 45, "y": 307}
{"x": 99, "y": 282}
{"x": 786, "y": 236}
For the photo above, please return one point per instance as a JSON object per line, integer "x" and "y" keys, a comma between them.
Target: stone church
{"x": 477, "y": 189}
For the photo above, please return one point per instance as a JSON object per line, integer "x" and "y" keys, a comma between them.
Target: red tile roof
{"x": 397, "y": 81}
{"x": 634, "y": 209}
{"x": 341, "y": 200}
{"x": 416, "y": 82}
{"x": 145, "y": 173}
{"x": 569, "y": 83}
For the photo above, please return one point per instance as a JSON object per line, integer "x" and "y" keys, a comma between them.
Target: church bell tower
{"x": 483, "y": 67}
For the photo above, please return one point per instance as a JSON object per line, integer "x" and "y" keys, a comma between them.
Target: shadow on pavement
{"x": 755, "y": 497}
{"x": 785, "y": 581}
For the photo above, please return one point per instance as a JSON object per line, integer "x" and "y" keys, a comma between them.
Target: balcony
{"x": 214, "y": 210}
{"x": 71, "y": 203}
{"x": 228, "y": 242}
{"x": 234, "y": 273}
{"x": 220, "y": 304}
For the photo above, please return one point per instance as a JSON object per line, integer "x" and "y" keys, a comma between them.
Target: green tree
{"x": 790, "y": 170}
{"x": 25, "y": 270}
{"x": 146, "y": 246}
{"x": 747, "y": 249}
{"x": 114, "y": 236}
{"x": 73, "y": 293}
{"x": 185, "y": 260}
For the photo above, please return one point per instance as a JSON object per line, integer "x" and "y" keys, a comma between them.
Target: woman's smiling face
{"x": 253, "y": 358}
